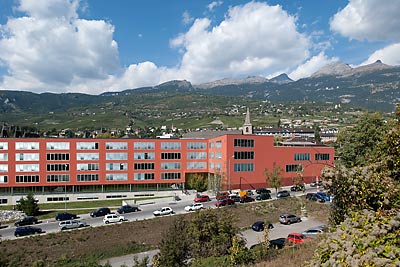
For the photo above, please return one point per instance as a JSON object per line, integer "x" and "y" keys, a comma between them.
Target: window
{"x": 87, "y": 167}
{"x": 27, "y": 168}
{"x": 170, "y": 165}
{"x": 57, "y": 146}
{"x": 143, "y": 156}
{"x": 57, "y": 167}
{"x": 57, "y": 178}
{"x": 27, "y": 146}
{"x": 27, "y": 178}
{"x": 87, "y": 156}
{"x": 218, "y": 144}
{"x": 116, "y": 166}
{"x": 117, "y": 177}
{"x": 243, "y": 167}
{"x": 3, "y": 167}
{"x": 211, "y": 155}
{"x": 3, "y": 156}
{"x": 87, "y": 177}
{"x": 143, "y": 166}
{"x": 171, "y": 155}
{"x": 3, "y": 179}
{"x": 243, "y": 142}
{"x": 117, "y": 145}
{"x": 218, "y": 155}
{"x": 301, "y": 156}
{"x": 27, "y": 156}
{"x": 171, "y": 145}
{"x": 87, "y": 145}
{"x": 116, "y": 156}
{"x": 143, "y": 145}
{"x": 3, "y": 146}
{"x": 170, "y": 175}
{"x": 322, "y": 156}
{"x": 143, "y": 176}
{"x": 50, "y": 199}
{"x": 57, "y": 156}
{"x": 294, "y": 168}
{"x": 211, "y": 145}
{"x": 196, "y": 155}
{"x": 196, "y": 145}
{"x": 243, "y": 155}
{"x": 196, "y": 165}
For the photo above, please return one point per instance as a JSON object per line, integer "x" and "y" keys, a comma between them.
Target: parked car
{"x": 222, "y": 195}
{"x": 100, "y": 212}
{"x": 27, "y": 230}
{"x": 263, "y": 196}
{"x": 260, "y": 226}
{"x": 246, "y": 199}
{"x": 314, "y": 231}
{"x": 287, "y": 218}
{"x": 27, "y": 220}
{"x": 71, "y": 224}
{"x": 112, "y": 218}
{"x": 282, "y": 194}
{"x": 127, "y": 208}
{"x": 250, "y": 192}
{"x": 62, "y": 216}
{"x": 296, "y": 238}
{"x": 278, "y": 243}
{"x": 323, "y": 196}
{"x": 297, "y": 188}
{"x": 224, "y": 202}
{"x": 315, "y": 183}
{"x": 263, "y": 190}
{"x": 315, "y": 197}
{"x": 163, "y": 211}
{"x": 202, "y": 198}
{"x": 234, "y": 197}
{"x": 194, "y": 206}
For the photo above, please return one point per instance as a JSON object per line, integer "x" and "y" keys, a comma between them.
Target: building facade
{"x": 54, "y": 167}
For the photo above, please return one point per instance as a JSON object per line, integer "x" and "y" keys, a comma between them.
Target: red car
{"x": 224, "y": 202}
{"x": 202, "y": 198}
{"x": 296, "y": 238}
{"x": 222, "y": 195}
{"x": 246, "y": 199}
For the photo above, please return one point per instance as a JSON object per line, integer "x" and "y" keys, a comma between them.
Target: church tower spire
{"x": 247, "y": 126}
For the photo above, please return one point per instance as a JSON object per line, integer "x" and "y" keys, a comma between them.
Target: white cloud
{"x": 372, "y": 20}
{"x": 311, "y": 66}
{"x": 49, "y": 53}
{"x": 52, "y": 49}
{"x": 254, "y": 38}
{"x": 186, "y": 18}
{"x": 389, "y": 55}
{"x": 213, "y": 4}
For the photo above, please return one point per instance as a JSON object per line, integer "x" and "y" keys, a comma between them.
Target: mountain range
{"x": 374, "y": 87}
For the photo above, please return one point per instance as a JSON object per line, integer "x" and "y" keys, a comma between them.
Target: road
{"x": 51, "y": 225}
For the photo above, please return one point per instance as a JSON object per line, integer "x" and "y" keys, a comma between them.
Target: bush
{"x": 28, "y": 205}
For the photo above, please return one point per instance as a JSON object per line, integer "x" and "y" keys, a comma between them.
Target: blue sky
{"x": 92, "y": 46}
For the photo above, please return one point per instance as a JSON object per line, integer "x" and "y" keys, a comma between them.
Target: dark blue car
{"x": 65, "y": 216}
{"x": 27, "y": 230}
{"x": 259, "y": 226}
{"x": 323, "y": 196}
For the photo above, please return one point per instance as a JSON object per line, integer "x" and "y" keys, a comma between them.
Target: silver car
{"x": 71, "y": 224}
{"x": 314, "y": 231}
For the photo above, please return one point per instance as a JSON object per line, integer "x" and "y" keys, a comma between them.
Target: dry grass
{"x": 108, "y": 241}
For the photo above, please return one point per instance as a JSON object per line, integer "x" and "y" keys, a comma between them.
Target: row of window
{"x": 109, "y": 145}
{"x": 91, "y": 177}
{"x": 306, "y": 156}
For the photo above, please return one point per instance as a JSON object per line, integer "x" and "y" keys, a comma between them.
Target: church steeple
{"x": 247, "y": 126}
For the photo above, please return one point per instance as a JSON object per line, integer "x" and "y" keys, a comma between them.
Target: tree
{"x": 29, "y": 205}
{"x": 173, "y": 246}
{"x": 197, "y": 181}
{"x": 356, "y": 146}
{"x": 274, "y": 177}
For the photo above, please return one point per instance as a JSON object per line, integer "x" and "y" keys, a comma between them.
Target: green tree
{"x": 356, "y": 146}
{"x": 174, "y": 246}
{"x": 28, "y": 205}
{"x": 239, "y": 253}
{"x": 274, "y": 177}
{"x": 197, "y": 181}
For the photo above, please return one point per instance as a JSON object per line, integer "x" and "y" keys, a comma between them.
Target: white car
{"x": 163, "y": 211}
{"x": 313, "y": 232}
{"x": 71, "y": 224}
{"x": 194, "y": 206}
{"x": 112, "y": 218}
